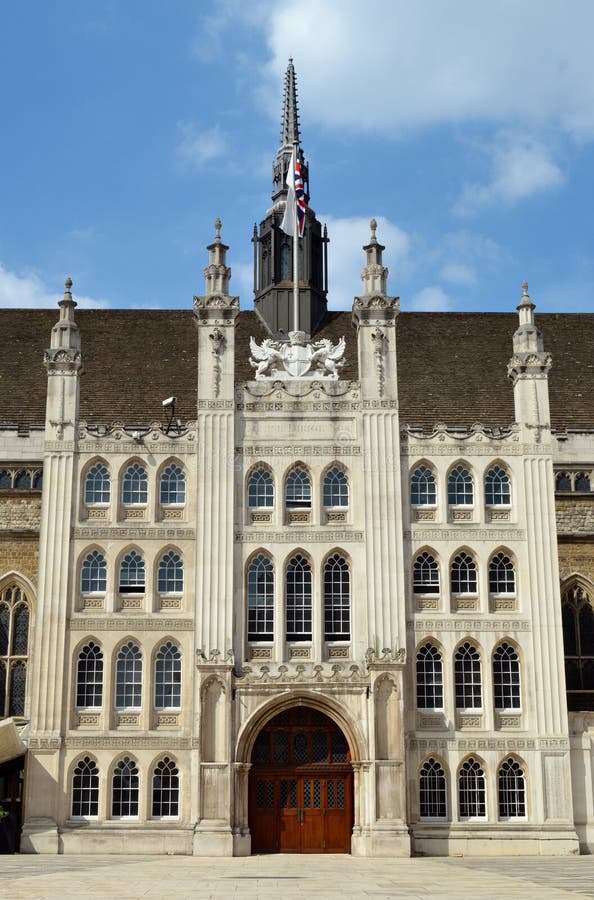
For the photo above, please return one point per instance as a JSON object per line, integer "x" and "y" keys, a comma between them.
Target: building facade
{"x": 295, "y": 580}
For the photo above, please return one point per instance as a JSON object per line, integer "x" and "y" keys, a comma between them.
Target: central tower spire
{"x": 273, "y": 249}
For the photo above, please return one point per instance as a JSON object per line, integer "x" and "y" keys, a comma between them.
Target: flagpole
{"x": 295, "y": 251}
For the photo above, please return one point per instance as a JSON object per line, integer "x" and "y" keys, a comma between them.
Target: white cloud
{"x": 28, "y": 290}
{"x": 519, "y": 167}
{"x": 458, "y": 273}
{"x": 449, "y": 62}
{"x": 346, "y": 257}
{"x": 430, "y": 299}
{"x": 199, "y": 147}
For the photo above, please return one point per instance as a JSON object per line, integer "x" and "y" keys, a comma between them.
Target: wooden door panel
{"x": 289, "y": 826}
{"x": 312, "y": 815}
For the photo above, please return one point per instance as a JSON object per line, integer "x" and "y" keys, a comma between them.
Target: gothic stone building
{"x": 336, "y": 595}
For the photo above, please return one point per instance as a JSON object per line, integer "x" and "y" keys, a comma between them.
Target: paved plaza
{"x": 284, "y": 876}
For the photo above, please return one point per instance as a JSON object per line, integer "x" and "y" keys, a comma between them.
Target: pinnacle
{"x": 290, "y": 118}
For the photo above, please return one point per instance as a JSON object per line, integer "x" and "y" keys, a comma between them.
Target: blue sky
{"x": 465, "y": 128}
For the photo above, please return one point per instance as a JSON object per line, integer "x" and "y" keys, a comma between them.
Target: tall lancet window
{"x": 14, "y": 650}
{"x": 299, "y": 599}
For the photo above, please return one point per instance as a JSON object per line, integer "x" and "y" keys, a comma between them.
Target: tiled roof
{"x": 451, "y": 366}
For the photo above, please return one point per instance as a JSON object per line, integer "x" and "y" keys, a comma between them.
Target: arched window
{"x": 97, "y": 485}
{"x": 14, "y": 649}
{"x": 124, "y": 798}
{"x": 93, "y": 574}
{"x": 22, "y": 481}
{"x": 38, "y": 481}
{"x": 511, "y": 790}
{"x": 497, "y": 487}
{"x": 578, "y": 640}
{"x": 129, "y": 677}
{"x": 472, "y": 798}
{"x": 168, "y": 676}
{"x": 260, "y": 489}
{"x": 423, "y": 490}
{"x": 5, "y": 480}
{"x": 506, "y": 678}
{"x": 260, "y": 585}
{"x": 463, "y": 575}
{"x": 170, "y": 579}
{"x": 89, "y": 677}
{"x": 432, "y": 790}
{"x": 298, "y": 599}
{"x": 460, "y": 487}
{"x": 173, "y": 486}
{"x": 562, "y": 482}
{"x": 132, "y": 574}
{"x": 165, "y": 803}
{"x": 337, "y": 599}
{"x": 135, "y": 486}
{"x": 582, "y": 482}
{"x": 467, "y": 676}
{"x": 425, "y": 574}
{"x": 298, "y": 489}
{"x": 85, "y": 789}
{"x": 429, "y": 677}
{"x": 502, "y": 575}
{"x": 335, "y": 488}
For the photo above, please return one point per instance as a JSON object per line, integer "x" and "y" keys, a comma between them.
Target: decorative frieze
{"x": 508, "y": 721}
{"x": 121, "y": 743}
{"x": 128, "y": 719}
{"x": 301, "y": 673}
{"x": 166, "y": 720}
{"x": 215, "y": 404}
{"x": 339, "y": 652}
{"x": 426, "y": 603}
{"x": 155, "y": 532}
{"x": 140, "y": 623}
{"x": 88, "y": 720}
{"x": 170, "y": 602}
{"x": 465, "y": 720}
{"x": 90, "y": 444}
{"x": 502, "y": 604}
{"x": 261, "y": 653}
{"x": 41, "y": 743}
{"x": 466, "y": 744}
{"x": 300, "y": 653}
{"x": 466, "y": 534}
{"x": 298, "y": 450}
{"x": 464, "y": 603}
{"x": 293, "y": 536}
{"x": 466, "y": 625}
{"x": 465, "y": 449}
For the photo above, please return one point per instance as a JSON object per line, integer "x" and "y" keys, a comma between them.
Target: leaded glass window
{"x": 472, "y": 799}
{"x": 582, "y": 482}
{"x": 97, "y": 485}
{"x": 298, "y": 489}
{"x": 14, "y": 649}
{"x": 506, "y": 678}
{"x": 429, "y": 677}
{"x": 299, "y": 599}
{"x": 125, "y": 789}
{"x": 578, "y": 640}
{"x": 432, "y": 790}
{"x": 85, "y": 789}
{"x": 128, "y": 677}
{"x": 467, "y": 676}
{"x": 173, "y": 486}
{"x": 463, "y": 574}
{"x": 336, "y": 488}
{"x": 132, "y": 574}
{"x": 260, "y": 586}
{"x": 425, "y": 574}
{"x": 337, "y": 599}
{"x": 562, "y": 482}
{"x": 22, "y": 481}
{"x": 89, "y": 677}
{"x": 260, "y": 489}
{"x": 93, "y": 574}
{"x": 497, "y": 487}
{"x": 502, "y": 575}
{"x": 170, "y": 578}
{"x": 135, "y": 486}
{"x": 511, "y": 790}
{"x": 423, "y": 490}
{"x": 165, "y": 803}
{"x": 460, "y": 487}
{"x": 5, "y": 480}
{"x": 168, "y": 677}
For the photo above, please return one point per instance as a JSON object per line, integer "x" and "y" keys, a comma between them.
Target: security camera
{"x": 169, "y": 402}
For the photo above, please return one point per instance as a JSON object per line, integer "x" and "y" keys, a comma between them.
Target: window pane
{"x": 260, "y": 489}
{"x": 298, "y": 489}
{"x": 260, "y": 599}
{"x": 298, "y": 599}
{"x": 337, "y": 599}
{"x": 336, "y": 488}
{"x": 173, "y": 486}
{"x": 135, "y": 486}
{"x": 423, "y": 491}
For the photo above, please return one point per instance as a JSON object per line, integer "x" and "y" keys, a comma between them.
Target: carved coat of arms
{"x": 296, "y": 358}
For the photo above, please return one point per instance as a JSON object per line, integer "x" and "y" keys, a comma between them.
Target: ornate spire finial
{"x": 524, "y": 288}
{"x": 290, "y": 120}
{"x": 218, "y": 225}
{"x": 67, "y": 303}
{"x": 373, "y": 226}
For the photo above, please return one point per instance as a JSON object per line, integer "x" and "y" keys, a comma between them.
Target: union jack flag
{"x": 300, "y": 203}
{"x": 295, "y": 198}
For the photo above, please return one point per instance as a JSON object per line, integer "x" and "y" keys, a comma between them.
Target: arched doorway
{"x": 301, "y": 785}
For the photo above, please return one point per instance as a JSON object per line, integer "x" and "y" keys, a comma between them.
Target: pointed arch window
{"x": 337, "y": 599}
{"x": 260, "y": 489}
{"x": 472, "y": 796}
{"x": 511, "y": 790}
{"x": 125, "y": 790}
{"x": 135, "y": 486}
{"x": 165, "y": 801}
{"x": 502, "y": 575}
{"x": 299, "y": 599}
{"x": 423, "y": 489}
{"x": 578, "y": 640}
{"x": 463, "y": 574}
{"x": 14, "y": 650}
{"x": 497, "y": 487}
{"x": 425, "y": 574}
{"x": 298, "y": 489}
{"x": 460, "y": 487}
{"x": 429, "y": 677}
{"x": 132, "y": 574}
{"x": 432, "y": 790}
{"x": 22, "y": 481}
{"x": 563, "y": 482}
{"x": 170, "y": 579}
{"x": 89, "y": 677}
{"x": 260, "y": 585}
{"x": 506, "y": 678}
{"x": 172, "y": 491}
{"x": 93, "y": 574}
{"x": 467, "y": 677}
{"x": 582, "y": 482}
{"x": 335, "y": 488}
{"x": 168, "y": 677}
{"x": 5, "y": 480}
{"x": 97, "y": 486}
{"x": 85, "y": 789}
{"x": 129, "y": 677}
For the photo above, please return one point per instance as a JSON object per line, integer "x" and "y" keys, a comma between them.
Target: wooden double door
{"x": 301, "y": 786}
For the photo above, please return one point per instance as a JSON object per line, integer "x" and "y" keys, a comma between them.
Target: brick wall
{"x": 575, "y": 515}
{"x": 19, "y": 553}
{"x": 20, "y": 511}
